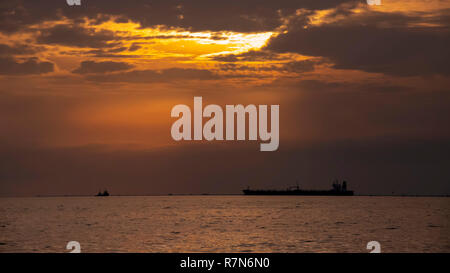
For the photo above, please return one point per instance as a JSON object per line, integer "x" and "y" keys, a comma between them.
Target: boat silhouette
{"x": 105, "y": 193}
{"x": 338, "y": 189}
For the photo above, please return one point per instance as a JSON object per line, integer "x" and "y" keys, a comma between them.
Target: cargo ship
{"x": 337, "y": 189}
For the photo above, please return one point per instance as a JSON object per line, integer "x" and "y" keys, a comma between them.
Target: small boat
{"x": 105, "y": 193}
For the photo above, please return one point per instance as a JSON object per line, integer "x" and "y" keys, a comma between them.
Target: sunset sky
{"x": 86, "y": 93}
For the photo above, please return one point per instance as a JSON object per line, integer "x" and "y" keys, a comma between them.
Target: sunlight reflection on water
{"x": 225, "y": 224}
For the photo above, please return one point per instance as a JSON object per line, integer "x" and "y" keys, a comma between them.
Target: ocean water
{"x": 225, "y": 224}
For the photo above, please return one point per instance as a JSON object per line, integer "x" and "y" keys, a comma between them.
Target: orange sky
{"x": 109, "y": 75}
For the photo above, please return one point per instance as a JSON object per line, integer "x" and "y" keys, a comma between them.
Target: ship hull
{"x": 299, "y": 192}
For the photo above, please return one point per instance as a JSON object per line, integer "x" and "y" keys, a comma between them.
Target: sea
{"x": 231, "y": 223}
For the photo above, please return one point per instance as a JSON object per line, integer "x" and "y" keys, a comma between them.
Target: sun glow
{"x": 179, "y": 42}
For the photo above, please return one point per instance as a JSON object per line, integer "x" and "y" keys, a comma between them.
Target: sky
{"x": 86, "y": 94}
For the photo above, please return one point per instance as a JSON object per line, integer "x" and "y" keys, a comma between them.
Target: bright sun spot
{"x": 179, "y": 42}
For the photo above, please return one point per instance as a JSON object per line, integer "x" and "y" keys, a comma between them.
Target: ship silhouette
{"x": 338, "y": 189}
{"x": 105, "y": 193}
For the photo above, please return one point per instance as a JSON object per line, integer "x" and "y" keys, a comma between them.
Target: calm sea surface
{"x": 225, "y": 224}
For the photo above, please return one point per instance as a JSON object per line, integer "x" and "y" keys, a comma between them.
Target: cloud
{"x": 300, "y": 66}
{"x": 110, "y": 52}
{"x": 148, "y": 76}
{"x": 249, "y": 56}
{"x": 10, "y": 66}
{"x": 73, "y": 35}
{"x": 199, "y": 15}
{"x": 292, "y": 67}
{"x": 134, "y": 47}
{"x": 101, "y": 67}
{"x": 264, "y": 60}
{"x": 372, "y": 42}
{"x": 18, "y": 49}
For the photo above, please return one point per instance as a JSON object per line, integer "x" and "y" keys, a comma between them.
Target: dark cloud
{"x": 249, "y": 56}
{"x": 106, "y": 52}
{"x": 18, "y": 49}
{"x": 134, "y": 47}
{"x": 10, "y": 66}
{"x": 372, "y": 42}
{"x": 101, "y": 67}
{"x": 73, "y": 35}
{"x": 111, "y": 52}
{"x": 245, "y": 16}
{"x": 275, "y": 62}
{"x": 238, "y": 67}
{"x": 148, "y": 76}
{"x": 300, "y": 66}
{"x": 293, "y": 67}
